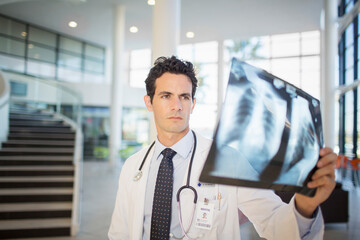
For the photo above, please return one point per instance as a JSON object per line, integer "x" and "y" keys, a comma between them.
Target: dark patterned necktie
{"x": 161, "y": 211}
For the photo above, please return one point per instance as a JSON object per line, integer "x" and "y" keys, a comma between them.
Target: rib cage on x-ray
{"x": 268, "y": 136}
{"x": 254, "y": 120}
{"x": 251, "y": 123}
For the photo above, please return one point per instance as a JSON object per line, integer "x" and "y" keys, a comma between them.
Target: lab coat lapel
{"x": 139, "y": 193}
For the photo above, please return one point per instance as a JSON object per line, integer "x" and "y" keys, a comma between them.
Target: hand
{"x": 323, "y": 179}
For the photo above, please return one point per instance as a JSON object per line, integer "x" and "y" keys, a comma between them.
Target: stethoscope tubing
{"x": 138, "y": 175}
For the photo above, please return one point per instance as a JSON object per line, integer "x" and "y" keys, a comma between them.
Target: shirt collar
{"x": 183, "y": 147}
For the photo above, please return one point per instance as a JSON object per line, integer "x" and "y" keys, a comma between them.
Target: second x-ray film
{"x": 269, "y": 134}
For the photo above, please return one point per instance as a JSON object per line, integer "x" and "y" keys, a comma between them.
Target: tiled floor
{"x": 99, "y": 190}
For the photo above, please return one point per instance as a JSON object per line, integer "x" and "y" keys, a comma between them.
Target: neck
{"x": 169, "y": 139}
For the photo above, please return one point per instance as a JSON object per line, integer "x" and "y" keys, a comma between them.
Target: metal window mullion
{"x": 356, "y": 48}
{"x": 57, "y": 56}
{"x": 342, "y": 82}
{"x": 26, "y": 56}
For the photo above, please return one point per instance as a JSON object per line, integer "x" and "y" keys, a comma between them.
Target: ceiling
{"x": 208, "y": 19}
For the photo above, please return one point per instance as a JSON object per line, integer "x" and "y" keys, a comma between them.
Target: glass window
{"x": 69, "y": 75}
{"x": 41, "y": 36}
{"x": 12, "y": 63}
{"x": 349, "y": 35}
{"x": 10, "y": 46}
{"x": 310, "y": 75}
{"x": 46, "y": 50}
{"x": 93, "y": 78}
{"x": 310, "y": 43}
{"x": 285, "y": 45}
{"x": 69, "y": 60}
{"x": 206, "y": 92}
{"x": 42, "y": 54}
{"x": 285, "y": 69}
{"x": 41, "y": 69}
{"x": 349, "y": 57}
{"x": 206, "y": 52}
{"x": 140, "y": 62}
{"x": 135, "y": 130}
{"x": 96, "y": 130}
{"x": 12, "y": 28}
{"x": 94, "y": 52}
{"x": 70, "y": 45}
{"x": 94, "y": 66}
{"x": 185, "y": 52}
{"x": 349, "y": 123}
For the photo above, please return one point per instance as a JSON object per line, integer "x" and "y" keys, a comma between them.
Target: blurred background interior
{"x": 72, "y": 87}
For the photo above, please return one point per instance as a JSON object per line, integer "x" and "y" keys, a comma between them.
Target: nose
{"x": 177, "y": 104}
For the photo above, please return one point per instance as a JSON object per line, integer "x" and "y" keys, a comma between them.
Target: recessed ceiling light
{"x": 72, "y": 24}
{"x": 151, "y": 2}
{"x": 190, "y": 34}
{"x": 30, "y": 46}
{"x": 23, "y": 34}
{"x": 133, "y": 29}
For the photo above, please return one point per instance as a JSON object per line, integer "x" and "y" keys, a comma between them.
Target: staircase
{"x": 36, "y": 176}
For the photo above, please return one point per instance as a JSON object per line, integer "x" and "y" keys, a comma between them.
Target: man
{"x": 171, "y": 86}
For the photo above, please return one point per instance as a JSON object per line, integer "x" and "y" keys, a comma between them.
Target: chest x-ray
{"x": 268, "y": 136}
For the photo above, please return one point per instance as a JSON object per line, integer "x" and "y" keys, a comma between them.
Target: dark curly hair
{"x": 170, "y": 65}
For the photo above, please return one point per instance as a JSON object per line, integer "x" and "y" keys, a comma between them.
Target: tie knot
{"x": 168, "y": 153}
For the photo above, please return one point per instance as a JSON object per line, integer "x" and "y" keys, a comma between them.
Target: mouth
{"x": 175, "y": 118}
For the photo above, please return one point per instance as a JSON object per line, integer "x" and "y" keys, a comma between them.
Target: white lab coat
{"x": 272, "y": 218}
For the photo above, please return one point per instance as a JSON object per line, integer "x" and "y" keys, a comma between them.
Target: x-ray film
{"x": 269, "y": 134}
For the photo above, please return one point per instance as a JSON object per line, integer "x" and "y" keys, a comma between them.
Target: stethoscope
{"x": 139, "y": 173}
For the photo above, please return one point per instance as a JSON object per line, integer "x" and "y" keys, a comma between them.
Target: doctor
{"x": 171, "y": 86}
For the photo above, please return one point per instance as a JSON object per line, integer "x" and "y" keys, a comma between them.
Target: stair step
{"x": 38, "y": 123}
{"x": 30, "y": 114}
{"x": 17, "y": 207}
{"x": 36, "y": 182}
{"x": 34, "y": 163}
{"x": 32, "y": 118}
{"x": 11, "y": 229}
{"x": 35, "y": 191}
{"x": 28, "y": 224}
{"x": 39, "y": 136}
{"x": 40, "y": 130}
{"x": 38, "y": 168}
{"x": 23, "y": 195}
{"x": 14, "y": 171}
{"x": 36, "y": 151}
{"x": 35, "y": 210}
{"x": 38, "y": 158}
{"x": 45, "y": 144}
{"x": 42, "y": 142}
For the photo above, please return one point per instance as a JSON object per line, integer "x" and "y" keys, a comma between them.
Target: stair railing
{"x": 4, "y": 108}
{"x": 52, "y": 96}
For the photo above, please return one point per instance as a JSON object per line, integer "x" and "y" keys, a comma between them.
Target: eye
{"x": 165, "y": 96}
{"x": 185, "y": 97}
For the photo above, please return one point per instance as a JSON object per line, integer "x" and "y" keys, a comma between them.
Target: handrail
{"x": 44, "y": 91}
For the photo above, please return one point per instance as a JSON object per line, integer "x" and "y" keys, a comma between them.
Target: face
{"x": 172, "y": 104}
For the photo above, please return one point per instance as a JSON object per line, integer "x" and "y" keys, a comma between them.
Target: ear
{"x": 148, "y": 104}
{"x": 193, "y": 105}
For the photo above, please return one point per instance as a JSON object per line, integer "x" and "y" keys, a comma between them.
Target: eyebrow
{"x": 169, "y": 93}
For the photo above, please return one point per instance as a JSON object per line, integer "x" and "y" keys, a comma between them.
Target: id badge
{"x": 204, "y": 216}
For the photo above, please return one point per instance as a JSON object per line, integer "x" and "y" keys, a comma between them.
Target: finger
{"x": 324, "y": 151}
{"x": 328, "y": 170}
{"x": 322, "y": 182}
{"x": 328, "y": 159}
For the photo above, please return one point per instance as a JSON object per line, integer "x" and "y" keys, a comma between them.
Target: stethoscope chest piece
{"x": 137, "y": 176}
